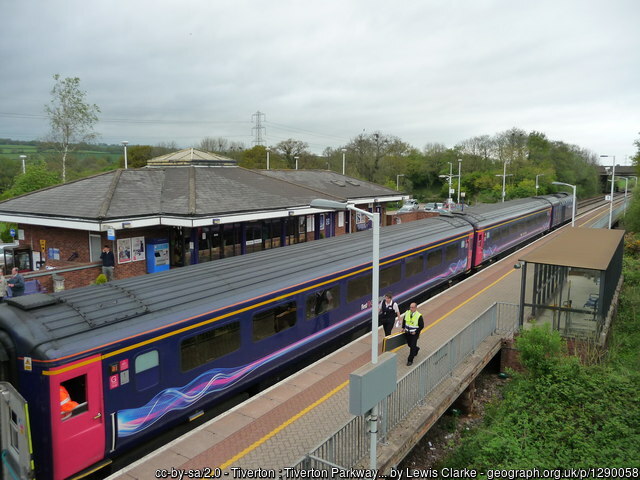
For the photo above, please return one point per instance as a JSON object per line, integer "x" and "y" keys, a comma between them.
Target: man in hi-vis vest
{"x": 412, "y": 324}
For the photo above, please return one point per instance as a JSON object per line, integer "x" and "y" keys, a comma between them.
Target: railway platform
{"x": 276, "y": 430}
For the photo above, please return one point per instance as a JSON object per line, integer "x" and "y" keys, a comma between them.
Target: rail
{"x": 350, "y": 444}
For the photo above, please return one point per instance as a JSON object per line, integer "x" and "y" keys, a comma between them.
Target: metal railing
{"x": 350, "y": 444}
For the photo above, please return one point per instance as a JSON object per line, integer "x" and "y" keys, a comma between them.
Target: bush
{"x": 540, "y": 349}
{"x": 102, "y": 278}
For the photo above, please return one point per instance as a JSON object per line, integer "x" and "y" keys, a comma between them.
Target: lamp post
{"x": 398, "y": 181}
{"x": 537, "y": 176}
{"x": 626, "y": 186}
{"x": 344, "y": 151}
{"x": 24, "y": 167}
{"x": 268, "y": 149}
{"x": 504, "y": 178}
{"x": 573, "y": 209}
{"x": 613, "y": 175}
{"x": 296, "y": 157}
{"x": 125, "y": 143}
{"x": 459, "y": 179}
{"x": 375, "y": 270}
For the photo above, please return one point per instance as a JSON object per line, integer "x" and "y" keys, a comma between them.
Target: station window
{"x": 322, "y": 301}
{"x": 208, "y": 346}
{"x": 390, "y": 275}
{"x": 413, "y": 265}
{"x": 359, "y": 287}
{"x": 274, "y": 320}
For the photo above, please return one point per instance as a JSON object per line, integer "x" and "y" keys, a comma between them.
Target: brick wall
{"x": 71, "y": 242}
{"x": 395, "y": 218}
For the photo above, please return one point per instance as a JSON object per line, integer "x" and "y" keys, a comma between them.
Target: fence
{"x": 348, "y": 446}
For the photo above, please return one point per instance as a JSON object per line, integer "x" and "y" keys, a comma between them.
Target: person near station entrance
{"x": 16, "y": 283}
{"x": 412, "y": 324}
{"x": 66, "y": 404}
{"x": 108, "y": 262}
{"x": 3, "y": 286}
{"x": 389, "y": 313}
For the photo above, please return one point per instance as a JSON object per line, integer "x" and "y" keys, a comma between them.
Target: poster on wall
{"x": 124, "y": 250}
{"x": 137, "y": 249}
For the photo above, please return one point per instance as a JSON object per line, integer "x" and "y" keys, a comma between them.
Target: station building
{"x": 184, "y": 208}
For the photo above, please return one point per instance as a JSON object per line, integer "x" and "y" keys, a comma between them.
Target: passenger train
{"x": 143, "y": 354}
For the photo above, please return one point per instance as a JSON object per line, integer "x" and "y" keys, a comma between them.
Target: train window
{"x": 390, "y": 275}
{"x": 451, "y": 253}
{"x": 322, "y": 301}
{"x": 146, "y": 369}
{"x": 73, "y": 394}
{"x": 359, "y": 287}
{"x": 413, "y": 265}
{"x": 274, "y": 320}
{"x": 434, "y": 258}
{"x": 207, "y": 346}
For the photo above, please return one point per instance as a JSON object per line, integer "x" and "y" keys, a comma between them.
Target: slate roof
{"x": 182, "y": 191}
{"x": 331, "y": 183}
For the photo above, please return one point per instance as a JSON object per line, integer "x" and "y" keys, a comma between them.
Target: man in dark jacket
{"x": 16, "y": 283}
{"x": 108, "y": 262}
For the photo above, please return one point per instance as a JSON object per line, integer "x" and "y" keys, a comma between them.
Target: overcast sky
{"x": 324, "y": 71}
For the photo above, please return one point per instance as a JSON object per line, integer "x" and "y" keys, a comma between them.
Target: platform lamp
{"x": 344, "y": 152}
{"x": 626, "y": 187}
{"x": 268, "y": 149}
{"x": 24, "y": 167}
{"x": 459, "y": 179}
{"x": 296, "y": 157}
{"x": 538, "y": 176}
{"x": 375, "y": 287}
{"x": 398, "y": 181}
{"x": 125, "y": 143}
{"x": 573, "y": 209}
{"x": 613, "y": 175}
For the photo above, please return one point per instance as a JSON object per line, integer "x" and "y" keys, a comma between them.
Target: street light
{"x": 296, "y": 157}
{"x": 626, "y": 186}
{"x": 375, "y": 270}
{"x": 268, "y": 149}
{"x": 344, "y": 151}
{"x": 459, "y": 179}
{"x": 398, "y": 180}
{"x": 504, "y": 177}
{"x": 125, "y": 143}
{"x": 573, "y": 209}
{"x": 24, "y": 168}
{"x": 538, "y": 175}
{"x": 613, "y": 175}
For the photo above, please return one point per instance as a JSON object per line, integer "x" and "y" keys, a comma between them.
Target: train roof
{"x": 489, "y": 213}
{"x": 49, "y": 326}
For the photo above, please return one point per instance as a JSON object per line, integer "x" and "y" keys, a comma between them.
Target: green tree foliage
{"x": 70, "y": 118}
{"x": 138, "y": 156}
{"x": 289, "y": 149}
{"x": 38, "y": 175}
{"x": 564, "y": 414}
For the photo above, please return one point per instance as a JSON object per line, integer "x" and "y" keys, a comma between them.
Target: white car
{"x": 433, "y": 206}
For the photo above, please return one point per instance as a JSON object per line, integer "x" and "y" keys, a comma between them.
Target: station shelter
{"x": 572, "y": 282}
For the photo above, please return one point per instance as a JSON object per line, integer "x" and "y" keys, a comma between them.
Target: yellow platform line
{"x": 278, "y": 429}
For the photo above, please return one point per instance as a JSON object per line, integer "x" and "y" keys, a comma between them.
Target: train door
{"x": 77, "y": 420}
{"x": 15, "y": 435}
{"x": 478, "y": 254}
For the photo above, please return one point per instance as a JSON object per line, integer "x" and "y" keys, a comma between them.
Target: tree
{"x": 37, "y": 176}
{"x": 70, "y": 118}
{"x": 290, "y": 149}
{"x": 137, "y": 156}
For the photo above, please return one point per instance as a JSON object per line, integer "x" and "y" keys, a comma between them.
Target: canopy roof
{"x": 591, "y": 248}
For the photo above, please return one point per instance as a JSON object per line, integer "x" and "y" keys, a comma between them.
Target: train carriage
{"x": 501, "y": 227}
{"x": 139, "y": 355}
